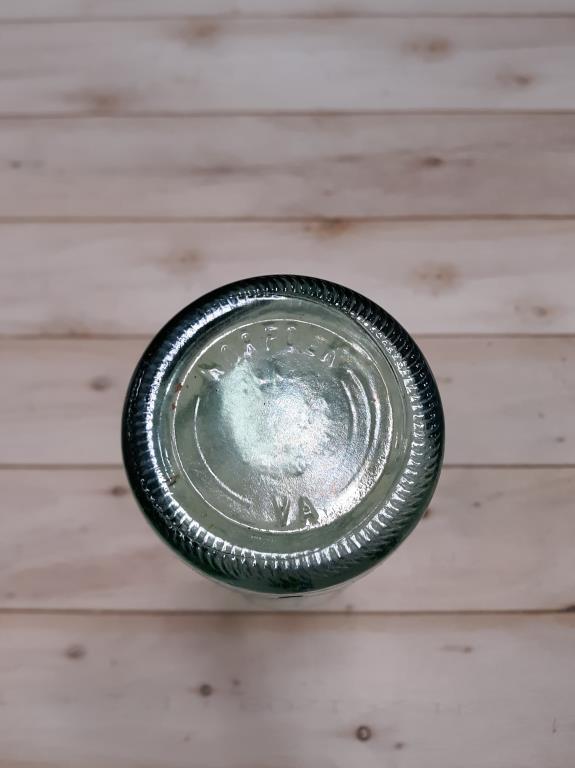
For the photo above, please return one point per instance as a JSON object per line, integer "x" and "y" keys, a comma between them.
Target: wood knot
{"x": 432, "y": 161}
{"x": 457, "y": 648}
{"x": 329, "y": 228}
{"x": 437, "y": 278}
{"x": 429, "y": 49}
{"x": 101, "y": 102}
{"x": 205, "y": 690}
{"x": 515, "y": 79}
{"x": 540, "y": 311}
{"x": 75, "y": 651}
{"x": 185, "y": 261}
{"x": 195, "y": 32}
{"x": 363, "y": 733}
{"x": 101, "y": 383}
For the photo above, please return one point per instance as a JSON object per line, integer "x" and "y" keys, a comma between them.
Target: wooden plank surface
{"x": 188, "y": 66}
{"x": 151, "y": 151}
{"x": 493, "y": 539}
{"x": 48, "y": 9}
{"x": 435, "y": 276}
{"x": 141, "y": 691}
{"x": 507, "y": 400}
{"x": 269, "y": 167}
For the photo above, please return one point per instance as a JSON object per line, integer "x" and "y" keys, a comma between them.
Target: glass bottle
{"x": 283, "y": 434}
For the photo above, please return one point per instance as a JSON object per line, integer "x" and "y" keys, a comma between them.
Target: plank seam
{"x": 327, "y": 113}
{"x": 342, "y": 17}
{"x": 110, "y": 612}
{"x": 407, "y": 219}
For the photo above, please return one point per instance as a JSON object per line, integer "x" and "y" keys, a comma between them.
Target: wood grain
{"x": 507, "y": 400}
{"x": 436, "y": 277}
{"x": 493, "y": 539}
{"x": 334, "y": 691}
{"x": 342, "y": 64}
{"x": 269, "y": 167}
{"x": 88, "y": 9}
{"x": 420, "y": 152}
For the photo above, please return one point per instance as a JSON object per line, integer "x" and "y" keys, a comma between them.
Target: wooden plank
{"x": 188, "y": 66}
{"x": 88, "y": 9}
{"x": 436, "y": 277}
{"x": 328, "y": 691}
{"x": 507, "y": 400}
{"x": 269, "y": 167}
{"x": 74, "y": 539}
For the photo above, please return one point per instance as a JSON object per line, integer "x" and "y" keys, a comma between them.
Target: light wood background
{"x": 419, "y": 151}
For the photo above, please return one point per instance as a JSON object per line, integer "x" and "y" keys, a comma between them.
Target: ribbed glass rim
{"x": 274, "y": 572}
